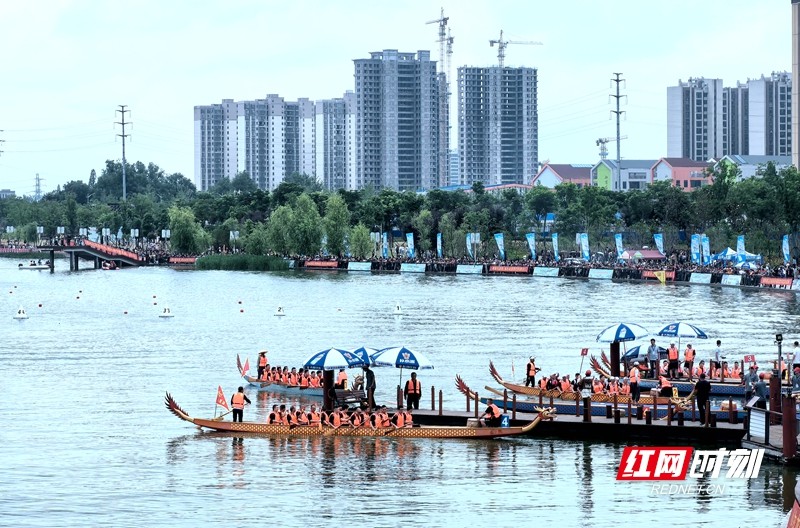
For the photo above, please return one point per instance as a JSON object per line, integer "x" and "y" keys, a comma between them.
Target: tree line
{"x": 299, "y": 217}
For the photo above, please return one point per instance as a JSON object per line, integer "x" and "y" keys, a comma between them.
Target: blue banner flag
{"x": 531, "y": 244}
{"x": 706, "y": 251}
{"x": 585, "y": 246}
{"x": 501, "y": 247}
{"x": 469, "y": 246}
{"x": 410, "y": 243}
{"x": 618, "y": 240}
{"x": 695, "y": 249}
{"x": 785, "y": 247}
{"x": 659, "y": 238}
{"x": 385, "y": 245}
{"x": 555, "y": 247}
{"x": 439, "y": 245}
{"x": 740, "y": 252}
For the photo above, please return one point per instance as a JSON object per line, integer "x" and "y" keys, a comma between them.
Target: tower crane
{"x": 442, "y": 21}
{"x": 501, "y": 46}
{"x": 444, "y": 95}
{"x": 602, "y": 142}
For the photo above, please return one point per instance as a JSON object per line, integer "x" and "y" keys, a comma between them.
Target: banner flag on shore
{"x": 695, "y": 249}
{"x": 661, "y": 276}
{"x": 555, "y": 247}
{"x": 531, "y": 237}
{"x": 221, "y": 398}
{"x": 469, "y": 246}
{"x": 439, "y": 245}
{"x": 740, "y": 252}
{"x": 501, "y": 246}
{"x": 618, "y": 240}
{"x": 585, "y": 246}
{"x": 385, "y": 250}
{"x": 785, "y": 247}
{"x": 706, "y": 250}
{"x": 410, "y": 242}
{"x": 659, "y": 238}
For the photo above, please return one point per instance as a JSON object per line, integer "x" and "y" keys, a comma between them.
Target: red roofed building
{"x": 685, "y": 173}
{"x": 552, "y": 174}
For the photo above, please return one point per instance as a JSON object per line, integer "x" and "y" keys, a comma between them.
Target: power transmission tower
{"x": 618, "y": 79}
{"x": 37, "y": 193}
{"x": 122, "y": 122}
{"x": 444, "y": 98}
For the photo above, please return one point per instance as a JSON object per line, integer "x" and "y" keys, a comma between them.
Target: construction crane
{"x": 602, "y": 142}
{"x": 444, "y": 95}
{"x": 501, "y": 46}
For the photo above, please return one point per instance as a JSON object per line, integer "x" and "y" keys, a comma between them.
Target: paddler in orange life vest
{"x": 491, "y": 418}
{"x": 665, "y": 386}
{"x": 237, "y": 402}
{"x": 412, "y": 391}
{"x": 262, "y": 363}
{"x": 530, "y": 372}
{"x": 674, "y": 364}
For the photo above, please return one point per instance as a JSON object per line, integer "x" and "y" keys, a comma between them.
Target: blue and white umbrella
{"x": 681, "y": 329}
{"x": 622, "y": 332}
{"x": 401, "y": 357}
{"x": 337, "y": 358}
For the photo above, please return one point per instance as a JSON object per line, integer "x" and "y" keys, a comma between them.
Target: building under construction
{"x": 498, "y": 125}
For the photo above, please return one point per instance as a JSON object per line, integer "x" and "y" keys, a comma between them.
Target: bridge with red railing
{"x": 95, "y": 252}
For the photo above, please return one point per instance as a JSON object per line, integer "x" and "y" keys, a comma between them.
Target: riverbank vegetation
{"x": 301, "y": 218}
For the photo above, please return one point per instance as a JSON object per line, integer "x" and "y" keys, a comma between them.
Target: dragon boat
{"x": 277, "y": 387}
{"x": 263, "y": 429}
{"x": 732, "y": 388}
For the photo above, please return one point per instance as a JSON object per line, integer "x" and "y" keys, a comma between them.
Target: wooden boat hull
{"x": 263, "y": 429}
{"x": 278, "y": 388}
{"x": 37, "y": 267}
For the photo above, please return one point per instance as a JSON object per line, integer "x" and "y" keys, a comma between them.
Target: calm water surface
{"x": 86, "y": 440}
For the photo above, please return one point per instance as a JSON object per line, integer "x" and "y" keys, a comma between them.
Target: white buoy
{"x": 398, "y": 310}
{"x": 280, "y": 312}
{"x": 21, "y": 313}
{"x": 166, "y": 313}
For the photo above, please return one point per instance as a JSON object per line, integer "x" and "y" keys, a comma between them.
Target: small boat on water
{"x": 166, "y": 314}
{"x": 279, "y": 312}
{"x": 398, "y": 310}
{"x": 21, "y": 314}
{"x": 263, "y": 429}
{"x": 34, "y": 267}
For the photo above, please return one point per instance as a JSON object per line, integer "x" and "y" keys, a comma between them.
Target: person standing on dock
{"x": 635, "y": 375}
{"x": 793, "y": 356}
{"x": 412, "y": 391}
{"x": 716, "y": 363}
{"x": 796, "y": 380}
{"x": 749, "y": 381}
{"x": 530, "y": 373}
{"x": 762, "y": 391}
{"x": 237, "y": 402}
{"x": 688, "y": 360}
{"x": 702, "y": 390}
{"x": 369, "y": 386}
{"x": 652, "y": 359}
{"x": 674, "y": 364}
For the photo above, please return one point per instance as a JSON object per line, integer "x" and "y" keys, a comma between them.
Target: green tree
{"x": 243, "y": 183}
{"x": 450, "y": 243}
{"x": 278, "y": 228}
{"x": 360, "y": 243}
{"x": 306, "y": 229}
{"x": 257, "y": 241}
{"x": 423, "y": 224}
{"x": 336, "y": 223}
{"x": 187, "y": 235}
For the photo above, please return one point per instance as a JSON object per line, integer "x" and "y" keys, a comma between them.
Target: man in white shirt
{"x": 716, "y": 363}
{"x": 793, "y": 356}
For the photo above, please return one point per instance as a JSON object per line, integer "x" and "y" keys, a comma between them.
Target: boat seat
{"x": 344, "y": 397}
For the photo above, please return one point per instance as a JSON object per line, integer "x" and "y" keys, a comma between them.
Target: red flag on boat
{"x": 584, "y": 351}
{"x": 750, "y": 359}
{"x": 221, "y": 398}
{"x": 246, "y": 367}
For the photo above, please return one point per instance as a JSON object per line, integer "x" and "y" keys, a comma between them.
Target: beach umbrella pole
{"x": 614, "y": 351}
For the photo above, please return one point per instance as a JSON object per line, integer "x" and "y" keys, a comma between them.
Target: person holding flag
{"x": 238, "y": 401}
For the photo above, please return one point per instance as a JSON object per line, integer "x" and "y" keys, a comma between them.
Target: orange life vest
{"x": 413, "y": 387}
{"x": 543, "y": 383}
{"x": 272, "y": 418}
{"x": 625, "y": 389}
{"x": 384, "y": 419}
{"x": 672, "y": 354}
{"x": 304, "y": 382}
{"x": 292, "y": 378}
{"x": 634, "y": 375}
{"x": 597, "y": 387}
{"x": 238, "y": 400}
{"x": 409, "y": 419}
{"x": 314, "y": 382}
{"x": 262, "y": 361}
{"x": 399, "y": 419}
{"x": 341, "y": 377}
{"x": 688, "y": 354}
{"x": 495, "y": 410}
{"x": 302, "y": 419}
{"x": 613, "y": 388}
{"x": 664, "y": 382}
{"x": 566, "y": 386}
{"x": 531, "y": 369}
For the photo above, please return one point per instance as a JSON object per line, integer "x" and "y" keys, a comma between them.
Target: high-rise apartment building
{"x": 397, "y": 128}
{"x": 735, "y": 124}
{"x": 770, "y": 115}
{"x": 336, "y": 142}
{"x": 694, "y": 119}
{"x": 498, "y": 125}
{"x": 706, "y": 120}
{"x": 268, "y": 138}
{"x": 796, "y": 83}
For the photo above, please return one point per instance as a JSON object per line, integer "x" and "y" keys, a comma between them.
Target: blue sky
{"x": 67, "y": 64}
